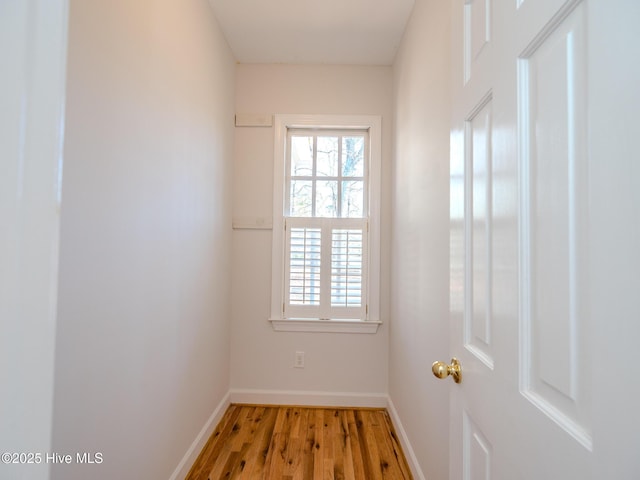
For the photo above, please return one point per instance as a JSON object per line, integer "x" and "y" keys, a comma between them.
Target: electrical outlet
{"x": 299, "y": 360}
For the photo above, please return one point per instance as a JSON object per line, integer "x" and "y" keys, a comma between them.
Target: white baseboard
{"x": 317, "y": 399}
{"x": 198, "y": 444}
{"x": 409, "y": 454}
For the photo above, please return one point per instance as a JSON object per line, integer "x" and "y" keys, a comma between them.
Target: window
{"x": 325, "y": 205}
{"x": 326, "y": 223}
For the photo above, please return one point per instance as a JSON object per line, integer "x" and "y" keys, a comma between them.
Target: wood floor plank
{"x": 394, "y": 445}
{"x": 318, "y": 454}
{"x": 372, "y": 455}
{"x": 349, "y": 469}
{"x": 328, "y": 457}
{"x": 359, "y": 468}
{"x": 255, "y": 459}
{"x": 388, "y": 462}
{"x": 293, "y": 455}
{"x": 254, "y": 442}
{"x": 211, "y": 451}
{"x": 328, "y": 470}
{"x": 309, "y": 446}
{"x": 337, "y": 445}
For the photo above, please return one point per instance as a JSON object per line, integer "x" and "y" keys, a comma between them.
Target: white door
{"x": 545, "y": 234}
{"x": 33, "y": 45}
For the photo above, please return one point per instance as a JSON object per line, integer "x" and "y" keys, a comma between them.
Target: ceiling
{"x": 354, "y": 32}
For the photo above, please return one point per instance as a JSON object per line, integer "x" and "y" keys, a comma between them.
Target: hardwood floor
{"x": 301, "y": 443}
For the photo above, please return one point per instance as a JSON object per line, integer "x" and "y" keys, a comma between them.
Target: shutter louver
{"x": 304, "y": 266}
{"x": 346, "y": 267}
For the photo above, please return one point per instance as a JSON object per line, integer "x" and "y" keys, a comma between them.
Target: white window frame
{"x": 371, "y": 320}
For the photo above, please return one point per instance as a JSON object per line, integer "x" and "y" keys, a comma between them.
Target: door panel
{"x": 477, "y": 329}
{"x": 477, "y": 36}
{"x": 476, "y": 452}
{"x": 552, "y": 124}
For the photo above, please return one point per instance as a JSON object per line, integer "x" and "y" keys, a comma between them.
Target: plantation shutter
{"x": 326, "y": 268}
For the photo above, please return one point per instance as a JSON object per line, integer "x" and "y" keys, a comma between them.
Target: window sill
{"x": 324, "y": 326}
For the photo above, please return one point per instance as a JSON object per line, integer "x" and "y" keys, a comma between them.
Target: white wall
{"x": 33, "y": 45}
{"x": 142, "y": 355}
{"x": 262, "y": 359}
{"x": 420, "y": 247}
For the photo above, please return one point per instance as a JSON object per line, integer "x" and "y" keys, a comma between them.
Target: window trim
{"x": 282, "y": 123}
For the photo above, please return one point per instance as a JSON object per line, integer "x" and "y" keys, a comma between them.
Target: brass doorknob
{"x": 443, "y": 370}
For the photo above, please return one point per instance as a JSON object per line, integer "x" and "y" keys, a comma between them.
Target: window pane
{"x": 346, "y": 268}
{"x": 301, "y": 156}
{"x": 327, "y": 198}
{"x": 353, "y": 156}
{"x": 304, "y": 266}
{"x": 327, "y": 165}
{"x": 353, "y": 199}
{"x": 300, "y": 199}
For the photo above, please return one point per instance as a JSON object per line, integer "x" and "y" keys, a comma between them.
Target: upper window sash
{"x": 327, "y": 173}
